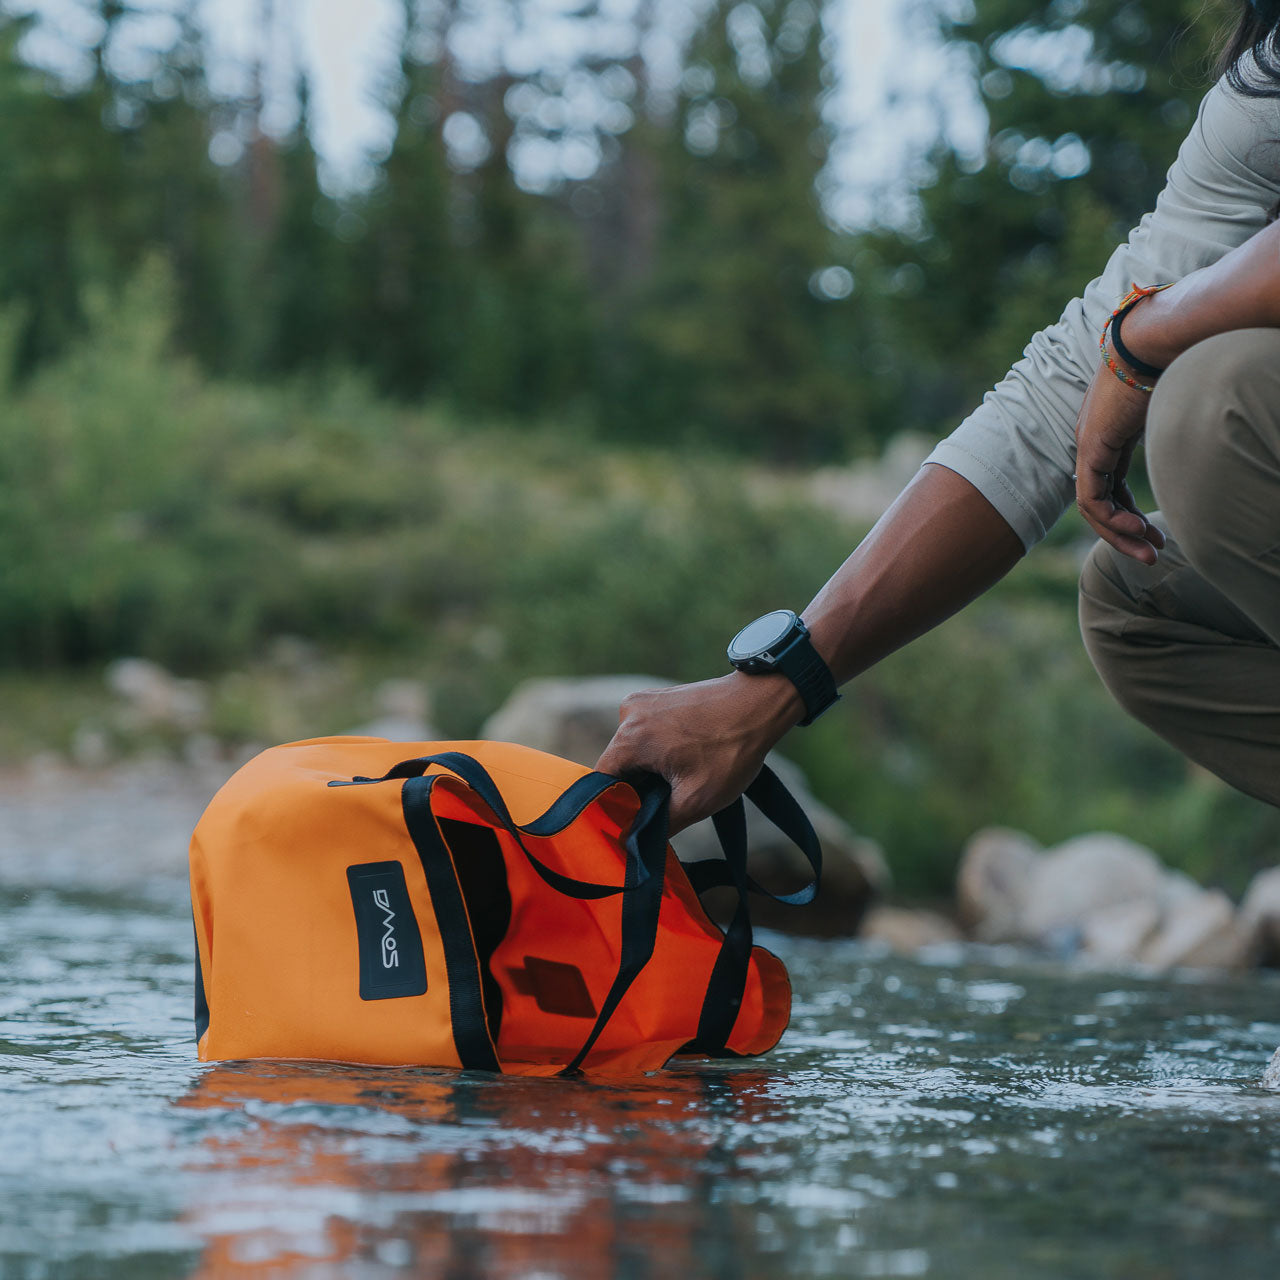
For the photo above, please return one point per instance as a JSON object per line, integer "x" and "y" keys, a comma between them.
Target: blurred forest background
{"x": 292, "y": 441}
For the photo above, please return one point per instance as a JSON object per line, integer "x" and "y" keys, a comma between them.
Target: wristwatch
{"x": 779, "y": 641}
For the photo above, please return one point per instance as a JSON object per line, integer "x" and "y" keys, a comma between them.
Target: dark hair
{"x": 1257, "y": 33}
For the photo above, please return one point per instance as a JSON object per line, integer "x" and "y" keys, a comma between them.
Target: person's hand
{"x": 1110, "y": 424}
{"x": 707, "y": 739}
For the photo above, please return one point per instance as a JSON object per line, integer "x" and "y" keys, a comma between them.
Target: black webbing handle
{"x": 728, "y": 980}
{"x": 645, "y": 849}
{"x": 777, "y": 804}
{"x": 646, "y": 846}
{"x": 564, "y": 811}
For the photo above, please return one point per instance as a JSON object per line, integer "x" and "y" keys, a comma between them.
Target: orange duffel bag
{"x": 477, "y": 905}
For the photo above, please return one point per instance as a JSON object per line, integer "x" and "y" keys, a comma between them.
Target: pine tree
{"x": 1087, "y": 102}
{"x": 733, "y": 342}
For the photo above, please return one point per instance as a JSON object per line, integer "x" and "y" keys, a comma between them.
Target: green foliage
{"x": 147, "y": 510}
{"x": 1087, "y": 103}
{"x": 155, "y": 501}
{"x": 728, "y": 326}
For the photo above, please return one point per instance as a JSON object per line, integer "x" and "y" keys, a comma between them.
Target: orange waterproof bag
{"x": 472, "y": 904}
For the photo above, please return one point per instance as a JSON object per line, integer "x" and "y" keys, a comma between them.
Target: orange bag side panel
{"x": 282, "y": 976}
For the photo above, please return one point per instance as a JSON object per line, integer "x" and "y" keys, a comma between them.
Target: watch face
{"x": 760, "y": 636}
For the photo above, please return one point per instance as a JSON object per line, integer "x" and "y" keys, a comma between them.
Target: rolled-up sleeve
{"x": 1018, "y": 447}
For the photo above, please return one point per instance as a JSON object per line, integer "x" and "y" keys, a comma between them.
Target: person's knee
{"x": 1204, "y": 428}
{"x": 1106, "y": 605}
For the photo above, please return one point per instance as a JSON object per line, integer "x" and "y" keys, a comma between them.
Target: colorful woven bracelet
{"x": 1127, "y": 303}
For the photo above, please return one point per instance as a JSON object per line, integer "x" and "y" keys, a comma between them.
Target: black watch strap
{"x": 801, "y": 663}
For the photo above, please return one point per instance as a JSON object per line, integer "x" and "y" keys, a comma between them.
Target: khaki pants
{"x": 1191, "y": 645}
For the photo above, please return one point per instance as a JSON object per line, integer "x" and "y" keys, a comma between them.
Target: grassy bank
{"x": 147, "y": 510}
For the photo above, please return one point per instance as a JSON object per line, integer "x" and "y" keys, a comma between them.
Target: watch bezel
{"x": 764, "y": 657}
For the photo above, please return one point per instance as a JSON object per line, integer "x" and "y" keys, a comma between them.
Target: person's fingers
{"x": 1124, "y": 498}
{"x": 1122, "y": 526}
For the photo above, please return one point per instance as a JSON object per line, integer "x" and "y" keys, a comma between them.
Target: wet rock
{"x": 1198, "y": 932}
{"x": 992, "y": 884}
{"x": 576, "y": 719}
{"x": 570, "y": 718}
{"x": 1271, "y": 1077}
{"x": 1117, "y": 933}
{"x": 906, "y": 931}
{"x": 1071, "y": 882}
{"x": 1260, "y": 918}
{"x": 155, "y": 699}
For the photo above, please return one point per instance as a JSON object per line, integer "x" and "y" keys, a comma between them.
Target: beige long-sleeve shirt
{"x": 1018, "y": 447}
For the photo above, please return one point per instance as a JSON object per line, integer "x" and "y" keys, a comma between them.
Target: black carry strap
{"x": 645, "y": 847}
{"x": 564, "y": 811}
{"x": 777, "y": 804}
{"x": 728, "y": 981}
{"x": 467, "y": 1020}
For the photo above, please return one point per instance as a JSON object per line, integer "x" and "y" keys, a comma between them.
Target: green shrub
{"x": 147, "y": 510}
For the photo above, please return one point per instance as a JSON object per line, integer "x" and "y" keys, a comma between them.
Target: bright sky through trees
{"x": 896, "y": 88}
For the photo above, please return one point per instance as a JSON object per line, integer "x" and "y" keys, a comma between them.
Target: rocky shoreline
{"x": 1098, "y": 899}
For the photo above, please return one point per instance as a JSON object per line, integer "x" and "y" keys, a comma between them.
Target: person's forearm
{"x": 940, "y": 545}
{"x": 1239, "y": 291}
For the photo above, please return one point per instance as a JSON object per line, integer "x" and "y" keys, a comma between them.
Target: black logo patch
{"x": 391, "y": 963}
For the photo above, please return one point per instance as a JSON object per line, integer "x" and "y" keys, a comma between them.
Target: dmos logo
{"x": 390, "y": 959}
{"x": 387, "y": 936}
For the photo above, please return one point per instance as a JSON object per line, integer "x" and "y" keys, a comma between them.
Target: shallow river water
{"x": 952, "y": 1116}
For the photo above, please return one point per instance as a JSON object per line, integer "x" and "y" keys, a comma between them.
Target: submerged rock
{"x": 1104, "y": 899}
{"x": 1260, "y": 917}
{"x": 1072, "y": 882}
{"x": 991, "y": 888}
{"x": 1271, "y": 1076}
{"x": 576, "y": 719}
{"x": 905, "y": 931}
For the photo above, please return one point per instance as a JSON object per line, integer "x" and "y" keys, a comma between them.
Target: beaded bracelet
{"x": 1127, "y": 303}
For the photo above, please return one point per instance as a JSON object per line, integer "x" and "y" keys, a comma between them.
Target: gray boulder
{"x": 1071, "y": 882}
{"x": 1101, "y": 898}
{"x": 905, "y": 931}
{"x": 1260, "y": 917}
{"x": 1118, "y": 932}
{"x": 1198, "y": 931}
{"x": 1271, "y": 1077}
{"x": 570, "y": 718}
{"x": 402, "y": 713}
{"x": 993, "y": 882}
{"x": 153, "y": 698}
{"x": 577, "y": 718}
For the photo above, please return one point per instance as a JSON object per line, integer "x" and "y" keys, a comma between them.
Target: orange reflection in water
{"x": 319, "y": 1170}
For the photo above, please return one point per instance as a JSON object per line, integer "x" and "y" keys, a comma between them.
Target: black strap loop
{"x": 564, "y": 811}
{"x": 777, "y": 804}
{"x": 645, "y": 848}
{"x": 728, "y": 981}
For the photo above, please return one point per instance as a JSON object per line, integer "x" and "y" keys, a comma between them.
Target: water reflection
{"x": 470, "y": 1176}
{"x": 974, "y": 1117}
